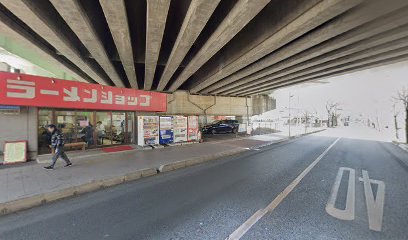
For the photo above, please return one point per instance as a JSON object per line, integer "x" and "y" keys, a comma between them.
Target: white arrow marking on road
{"x": 375, "y": 207}
{"x": 348, "y": 212}
{"x": 241, "y": 230}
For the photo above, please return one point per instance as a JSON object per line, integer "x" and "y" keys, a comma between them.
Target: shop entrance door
{"x": 103, "y": 129}
{"x": 119, "y": 128}
{"x": 130, "y": 128}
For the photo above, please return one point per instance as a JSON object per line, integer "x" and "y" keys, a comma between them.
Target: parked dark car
{"x": 221, "y": 126}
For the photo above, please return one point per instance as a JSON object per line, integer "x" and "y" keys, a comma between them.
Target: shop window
{"x": 66, "y": 123}
{"x": 85, "y": 129}
{"x": 96, "y": 128}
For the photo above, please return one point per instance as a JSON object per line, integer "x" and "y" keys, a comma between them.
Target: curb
{"x": 41, "y": 199}
{"x": 196, "y": 160}
{"x": 305, "y": 134}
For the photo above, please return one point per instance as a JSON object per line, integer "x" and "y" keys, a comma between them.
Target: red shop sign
{"x": 28, "y": 90}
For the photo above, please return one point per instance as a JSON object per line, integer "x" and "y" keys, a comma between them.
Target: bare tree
{"x": 402, "y": 96}
{"x": 331, "y": 108}
{"x": 396, "y": 113}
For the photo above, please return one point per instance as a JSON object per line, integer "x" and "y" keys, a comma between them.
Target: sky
{"x": 368, "y": 92}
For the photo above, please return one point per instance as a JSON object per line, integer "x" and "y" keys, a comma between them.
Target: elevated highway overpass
{"x": 206, "y": 47}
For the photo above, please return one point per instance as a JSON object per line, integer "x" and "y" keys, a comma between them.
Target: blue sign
{"x": 9, "y": 107}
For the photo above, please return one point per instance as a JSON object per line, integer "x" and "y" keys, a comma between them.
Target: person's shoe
{"x": 49, "y": 167}
{"x": 68, "y": 165}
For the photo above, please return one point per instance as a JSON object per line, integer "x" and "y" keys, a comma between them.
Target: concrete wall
{"x": 181, "y": 102}
{"x": 22, "y": 126}
{"x": 262, "y": 103}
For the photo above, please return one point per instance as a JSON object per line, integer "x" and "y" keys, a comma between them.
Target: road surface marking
{"x": 375, "y": 207}
{"x": 241, "y": 230}
{"x": 348, "y": 212}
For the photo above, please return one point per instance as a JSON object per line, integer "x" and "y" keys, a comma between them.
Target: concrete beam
{"x": 115, "y": 14}
{"x": 353, "y": 64}
{"x": 352, "y": 58}
{"x": 317, "y": 15}
{"x": 33, "y": 51}
{"x": 282, "y": 59}
{"x": 338, "y": 73}
{"x": 77, "y": 19}
{"x": 243, "y": 12}
{"x": 157, "y": 11}
{"x": 44, "y": 25}
{"x": 195, "y": 20}
{"x": 379, "y": 39}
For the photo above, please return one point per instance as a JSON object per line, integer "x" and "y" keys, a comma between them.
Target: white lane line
{"x": 241, "y": 230}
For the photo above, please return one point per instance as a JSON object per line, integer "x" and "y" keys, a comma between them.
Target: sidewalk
{"x": 403, "y": 146}
{"x": 30, "y": 185}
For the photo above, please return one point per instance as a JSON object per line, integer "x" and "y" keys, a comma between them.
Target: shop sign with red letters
{"x": 28, "y": 90}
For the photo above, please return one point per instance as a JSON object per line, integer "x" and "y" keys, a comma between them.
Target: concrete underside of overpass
{"x": 205, "y": 47}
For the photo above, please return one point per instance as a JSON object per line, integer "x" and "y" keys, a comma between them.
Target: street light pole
{"x": 290, "y": 96}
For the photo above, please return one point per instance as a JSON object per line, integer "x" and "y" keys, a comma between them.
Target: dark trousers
{"x": 59, "y": 152}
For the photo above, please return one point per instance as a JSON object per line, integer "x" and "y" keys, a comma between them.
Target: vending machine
{"x": 180, "y": 129}
{"x": 166, "y": 130}
{"x": 192, "y": 133}
{"x": 148, "y": 130}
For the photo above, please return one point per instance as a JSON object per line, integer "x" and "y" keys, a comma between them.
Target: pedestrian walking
{"x": 57, "y": 143}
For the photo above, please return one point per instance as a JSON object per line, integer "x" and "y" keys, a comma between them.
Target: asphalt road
{"x": 211, "y": 201}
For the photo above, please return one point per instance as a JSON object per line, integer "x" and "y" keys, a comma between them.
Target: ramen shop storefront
{"x": 91, "y": 114}
{"x": 93, "y": 128}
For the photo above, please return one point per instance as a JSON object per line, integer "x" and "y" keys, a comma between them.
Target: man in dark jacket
{"x": 57, "y": 143}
